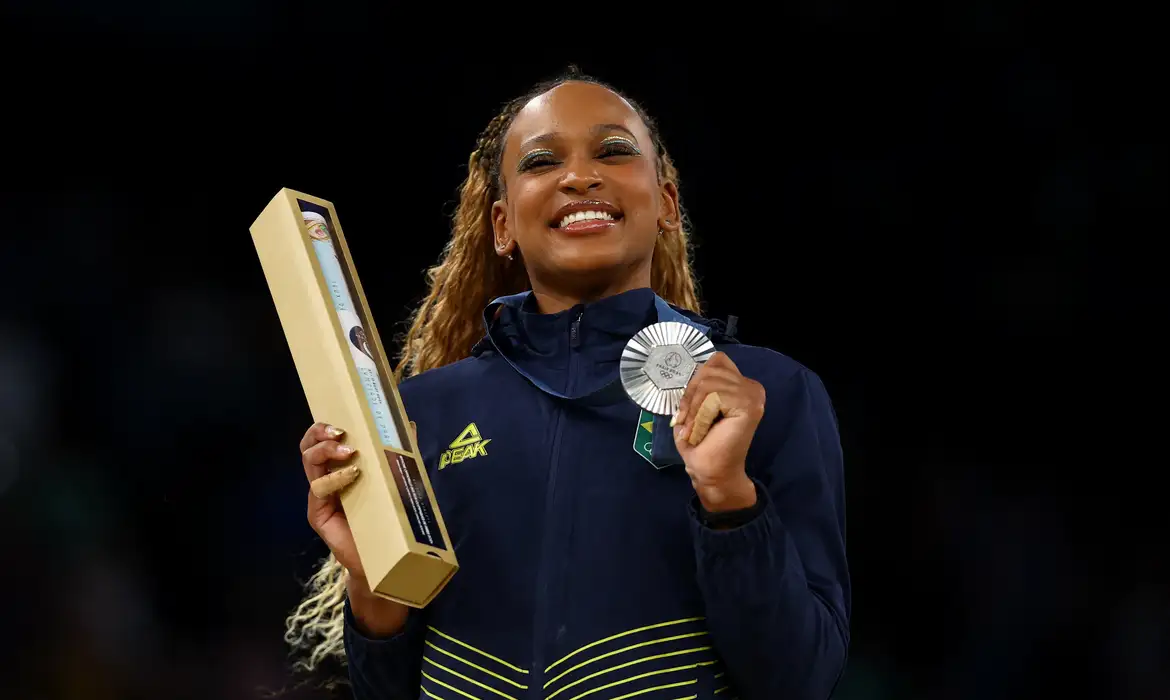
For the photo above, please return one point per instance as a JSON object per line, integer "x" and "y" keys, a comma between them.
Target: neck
{"x": 554, "y": 299}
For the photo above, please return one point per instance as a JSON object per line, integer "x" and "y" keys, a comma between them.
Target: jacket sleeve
{"x": 384, "y": 669}
{"x": 776, "y": 588}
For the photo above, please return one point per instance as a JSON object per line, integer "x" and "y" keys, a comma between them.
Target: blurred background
{"x": 955, "y": 229}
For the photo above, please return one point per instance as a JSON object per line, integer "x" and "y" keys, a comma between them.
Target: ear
{"x": 504, "y": 243}
{"x": 669, "y": 218}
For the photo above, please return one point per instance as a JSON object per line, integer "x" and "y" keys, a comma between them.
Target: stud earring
{"x": 509, "y": 256}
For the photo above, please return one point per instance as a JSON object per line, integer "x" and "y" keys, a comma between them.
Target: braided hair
{"x": 446, "y": 325}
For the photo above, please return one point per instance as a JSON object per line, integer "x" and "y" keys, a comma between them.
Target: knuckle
{"x": 312, "y": 436}
{"x": 317, "y": 453}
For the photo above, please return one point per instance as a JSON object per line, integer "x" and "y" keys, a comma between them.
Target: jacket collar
{"x": 603, "y": 326}
{"x": 574, "y": 354}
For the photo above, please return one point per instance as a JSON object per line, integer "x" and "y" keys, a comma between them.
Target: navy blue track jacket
{"x": 586, "y": 572}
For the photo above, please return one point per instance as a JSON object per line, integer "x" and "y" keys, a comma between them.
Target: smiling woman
{"x": 583, "y": 194}
{"x": 599, "y": 552}
{"x": 471, "y": 273}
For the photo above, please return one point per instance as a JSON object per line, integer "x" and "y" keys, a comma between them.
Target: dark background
{"x": 957, "y": 229}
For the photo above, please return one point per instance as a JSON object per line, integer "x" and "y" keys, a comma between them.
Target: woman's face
{"x": 582, "y": 200}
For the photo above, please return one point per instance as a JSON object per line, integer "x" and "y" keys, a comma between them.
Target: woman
{"x": 589, "y": 569}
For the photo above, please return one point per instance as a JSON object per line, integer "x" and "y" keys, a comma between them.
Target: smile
{"x": 586, "y": 216}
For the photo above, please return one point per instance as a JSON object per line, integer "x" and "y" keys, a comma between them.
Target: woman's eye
{"x": 617, "y": 148}
{"x": 536, "y": 160}
{"x": 542, "y": 159}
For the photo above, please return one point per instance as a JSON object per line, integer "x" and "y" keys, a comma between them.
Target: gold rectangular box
{"x": 348, "y": 381}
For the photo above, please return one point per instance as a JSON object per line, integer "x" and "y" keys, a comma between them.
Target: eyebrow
{"x": 598, "y": 128}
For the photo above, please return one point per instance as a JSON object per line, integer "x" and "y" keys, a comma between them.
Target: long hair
{"x": 446, "y": 325}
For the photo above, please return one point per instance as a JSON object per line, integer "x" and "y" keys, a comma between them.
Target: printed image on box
{"x": 357, "y": 336}
{"x": 318, "y": 226}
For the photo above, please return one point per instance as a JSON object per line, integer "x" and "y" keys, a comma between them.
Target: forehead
{"x": 573, "y": 109}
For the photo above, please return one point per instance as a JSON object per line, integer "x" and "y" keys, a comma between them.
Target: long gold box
{"x": 400, "y": 534}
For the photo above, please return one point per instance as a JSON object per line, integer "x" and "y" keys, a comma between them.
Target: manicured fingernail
{"x": 673, "y": 419}
{"x": 345, "y": 450}
{"x": 334, "y": 432}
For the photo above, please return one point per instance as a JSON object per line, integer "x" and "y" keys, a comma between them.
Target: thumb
{"x": 681, "y": 443}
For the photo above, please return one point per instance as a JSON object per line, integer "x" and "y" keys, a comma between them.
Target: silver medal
{"x": 658, "y": 362}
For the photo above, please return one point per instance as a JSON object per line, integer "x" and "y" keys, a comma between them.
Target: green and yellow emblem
{"x": 644, "y": 436}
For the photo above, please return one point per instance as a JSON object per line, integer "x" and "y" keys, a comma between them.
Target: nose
{"x": 580, "y": 176}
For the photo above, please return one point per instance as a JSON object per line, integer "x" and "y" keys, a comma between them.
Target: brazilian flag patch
{"x": 644, "y": 436}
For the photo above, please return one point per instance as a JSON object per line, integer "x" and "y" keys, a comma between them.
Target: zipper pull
{"x": 575, "y": 331}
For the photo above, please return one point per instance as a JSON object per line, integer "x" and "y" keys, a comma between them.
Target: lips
{"x": 586, "y": 215}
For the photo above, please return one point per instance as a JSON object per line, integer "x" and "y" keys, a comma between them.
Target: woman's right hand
{"x": 321, "y": 450}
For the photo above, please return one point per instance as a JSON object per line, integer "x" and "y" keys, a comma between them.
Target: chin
{"x": 594, "y": 275}
{"x": 598, "y": 260}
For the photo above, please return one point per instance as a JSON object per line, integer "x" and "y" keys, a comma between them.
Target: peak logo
{"x": 469, "y": 445}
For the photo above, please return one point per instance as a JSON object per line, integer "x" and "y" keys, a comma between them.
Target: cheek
{"x": 640, "y": 195}
{"x": 530, "y": 202}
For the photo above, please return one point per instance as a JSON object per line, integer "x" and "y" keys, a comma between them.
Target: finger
{"x": 333, "y": 482}
{"x": 684, "y": 403}
{"x": 317, "y": 458}
{"x": 320, "y": 509}
{"x": 690, "y": 400}
{"x": 719, "y": 364}
{"x": 318, "y": 432}
{"x": 705, "y": 415}
{"x": 699, "y": 421}
{"x": 705, "y": 385}
{"x": 736, "y": 396}
{"x": 721, "y": 360}
{"x": 414, "y": 432}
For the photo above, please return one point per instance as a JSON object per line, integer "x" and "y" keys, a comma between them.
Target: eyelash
{"x": 609, "y": 147}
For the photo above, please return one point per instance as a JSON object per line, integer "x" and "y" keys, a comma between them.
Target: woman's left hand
{"x": 718, "y": 465}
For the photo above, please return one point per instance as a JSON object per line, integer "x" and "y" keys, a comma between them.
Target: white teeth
{"x": 584, "y": 216}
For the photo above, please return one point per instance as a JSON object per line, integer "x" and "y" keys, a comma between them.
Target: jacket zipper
{"x": 548, "y": 548}
{"x": 574, "y": 343}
